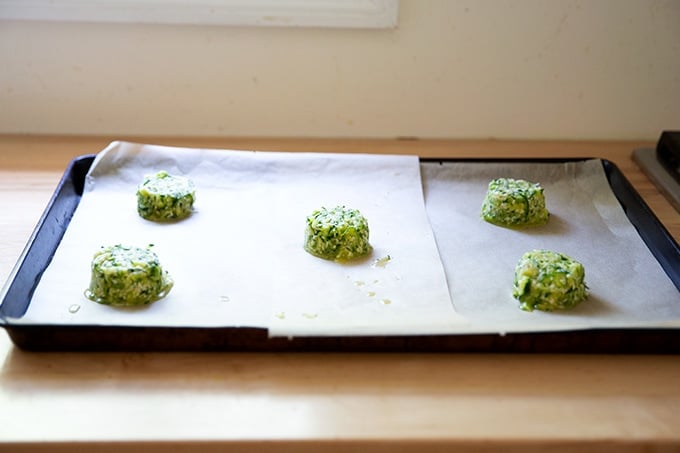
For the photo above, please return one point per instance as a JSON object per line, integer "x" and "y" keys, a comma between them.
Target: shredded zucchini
{"x": 547, "y": 281}
{"x": 164, "y": 197}
{"x": 514, "y": 203}
{"x": 338, "y": 234}
{"x": 127, "y": 276}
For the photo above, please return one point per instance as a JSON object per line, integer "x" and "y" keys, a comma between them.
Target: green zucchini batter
{"x": 548, "y": 281}
{"x": 127, "y": 276}
{"x": 338, "y": 234}
{"x": 164, "y": 197}
{"x": 514, "y": 203}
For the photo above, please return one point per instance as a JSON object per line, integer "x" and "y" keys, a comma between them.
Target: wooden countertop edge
{"x": 376, "y": 446}
{"x": 437, "y": 146}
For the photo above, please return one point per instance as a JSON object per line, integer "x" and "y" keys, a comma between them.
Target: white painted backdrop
{"x": 529, "y": 69}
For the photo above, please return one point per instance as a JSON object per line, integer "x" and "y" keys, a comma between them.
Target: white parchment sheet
{"x": 238, "y": 259}
{"x": 627, "y": 285}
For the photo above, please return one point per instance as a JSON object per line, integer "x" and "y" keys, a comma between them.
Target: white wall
{"x": 533, "y": 69}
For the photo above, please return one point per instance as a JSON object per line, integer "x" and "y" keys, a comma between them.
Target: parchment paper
{"x": 628, "y": 287}
{"x": 238, "y": 259}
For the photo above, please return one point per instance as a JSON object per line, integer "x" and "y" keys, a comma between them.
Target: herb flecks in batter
{"x": 339, "y": 234}
{"x": 514, "y": 203}
{"x": 165, "y": 197}
{"x": 127, "y": 276}
{"x": 547, "y": 281}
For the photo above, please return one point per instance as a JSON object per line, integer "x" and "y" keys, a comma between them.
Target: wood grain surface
{"x": 329, "y": 402}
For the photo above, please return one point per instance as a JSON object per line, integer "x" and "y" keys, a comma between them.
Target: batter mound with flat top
{"x": 127, "y": 276}
{"x": 514, "y": 203}
{"x": 338, "y": 234}
{"x": 165, "y": 197}
{"x": 548, "y": 281}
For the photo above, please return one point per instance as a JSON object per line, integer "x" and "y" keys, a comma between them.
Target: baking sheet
{"x": 238, "y": 259}
{"x": 445, "y": 183}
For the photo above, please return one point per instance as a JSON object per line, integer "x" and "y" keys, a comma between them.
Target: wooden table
{"x": 334, "y": 402}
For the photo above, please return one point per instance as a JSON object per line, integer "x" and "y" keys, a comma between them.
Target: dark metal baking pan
{"x": 55, "y": 337}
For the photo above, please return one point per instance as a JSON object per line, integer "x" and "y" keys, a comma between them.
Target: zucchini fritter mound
{"x": 514, "y": 203}
{"x": 548, "y": 281}
{"x": 127, "y": 276}
{"x": 338, "y": 234}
